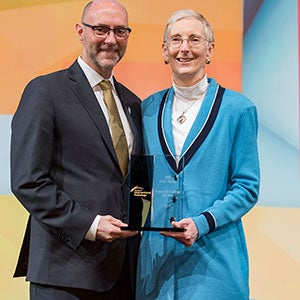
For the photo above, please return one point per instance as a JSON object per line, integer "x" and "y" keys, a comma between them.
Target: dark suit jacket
{"x": 64, "y": 171}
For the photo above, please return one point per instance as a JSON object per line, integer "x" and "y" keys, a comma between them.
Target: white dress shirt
{"x": 94, "y": 79}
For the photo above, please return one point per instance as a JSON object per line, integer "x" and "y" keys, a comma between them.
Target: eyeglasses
{"x": 101, "y": 31}
{"x": 193, "y": 41}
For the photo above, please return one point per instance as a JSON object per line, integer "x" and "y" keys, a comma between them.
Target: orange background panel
{"x": 12, "y": 4}
{"x": 149, "y": 77}
{"x": 40, "y": 37}
{"x": 145, "y": 43}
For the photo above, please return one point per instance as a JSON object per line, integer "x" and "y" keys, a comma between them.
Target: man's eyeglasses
{"x": 101, "y": 31}
{"x": 194, "y": 41}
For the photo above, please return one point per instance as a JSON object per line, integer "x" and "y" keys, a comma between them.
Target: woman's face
{"x": 187, "y": 50}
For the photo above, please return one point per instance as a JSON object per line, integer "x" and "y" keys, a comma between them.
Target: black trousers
{"x": 120, "y": 291}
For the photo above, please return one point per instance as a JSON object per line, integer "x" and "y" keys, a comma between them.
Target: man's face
{"x": 103, "y": 53}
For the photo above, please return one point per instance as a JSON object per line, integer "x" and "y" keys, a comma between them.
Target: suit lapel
{"x": 129, "y": 112}
{"x": 84, "y": 93}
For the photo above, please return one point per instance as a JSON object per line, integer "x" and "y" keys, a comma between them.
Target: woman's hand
{"x": 188, "y": 236}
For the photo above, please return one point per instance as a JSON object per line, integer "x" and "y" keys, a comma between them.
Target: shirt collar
{"x": 93, "y": 77}
{"x": 191, "y": 92}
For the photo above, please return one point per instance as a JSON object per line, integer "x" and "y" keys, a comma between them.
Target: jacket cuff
{"x": 205, "y": 223}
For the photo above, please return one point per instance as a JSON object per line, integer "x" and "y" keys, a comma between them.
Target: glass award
{"x": 156, "y": 189}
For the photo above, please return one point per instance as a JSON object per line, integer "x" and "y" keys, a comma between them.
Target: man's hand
{"x": 109, "y": 229}
{"x": 188, "y": 236}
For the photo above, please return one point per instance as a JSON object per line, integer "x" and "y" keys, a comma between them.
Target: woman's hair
{"x": 189, "y": 14}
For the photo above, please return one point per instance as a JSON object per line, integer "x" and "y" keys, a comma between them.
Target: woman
{"x": 213, "y": 131}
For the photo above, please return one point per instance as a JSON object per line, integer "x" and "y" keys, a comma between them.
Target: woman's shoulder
{"x": 154, "y": 99}
{"x": 237, "y": 99}
{"x": 231, "y": 96}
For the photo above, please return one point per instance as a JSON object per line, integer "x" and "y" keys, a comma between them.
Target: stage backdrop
{"x": 256, "y": 52}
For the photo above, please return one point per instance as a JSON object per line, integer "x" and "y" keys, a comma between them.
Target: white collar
{"x": 191, "y": 93}
{"x": 93, "y": 77}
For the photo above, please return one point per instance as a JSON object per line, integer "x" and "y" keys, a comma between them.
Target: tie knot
{"x": 105, "y": 85}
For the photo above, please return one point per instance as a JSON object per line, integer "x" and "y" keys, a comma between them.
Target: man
{"x": 66, "y": 171}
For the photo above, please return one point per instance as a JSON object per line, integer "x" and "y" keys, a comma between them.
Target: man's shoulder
{"x": 56, "y": 77}
{"x": 125, "y": 91}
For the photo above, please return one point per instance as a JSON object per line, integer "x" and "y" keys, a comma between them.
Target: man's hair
{"x": 85, "y": 10}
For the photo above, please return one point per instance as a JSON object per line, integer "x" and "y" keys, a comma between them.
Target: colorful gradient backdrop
{"x": 258, "y": 57}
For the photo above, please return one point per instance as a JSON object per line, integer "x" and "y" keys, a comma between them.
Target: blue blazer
{"x": 64, "y": 171}
{"x": 216, "y": 182}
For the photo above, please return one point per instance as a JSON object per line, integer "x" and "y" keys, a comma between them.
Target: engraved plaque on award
{"x": 153, "y": 185}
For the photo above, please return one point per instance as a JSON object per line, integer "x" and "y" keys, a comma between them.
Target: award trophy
{"x": 157, "y": 191}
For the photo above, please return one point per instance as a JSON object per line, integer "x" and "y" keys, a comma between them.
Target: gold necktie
{"x": 118, "y": 134}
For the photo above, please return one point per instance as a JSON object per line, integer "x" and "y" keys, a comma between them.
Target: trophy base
{"x": 136, "y": 228}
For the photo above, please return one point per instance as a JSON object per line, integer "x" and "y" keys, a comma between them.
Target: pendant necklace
{"x": 184, "y": 95}
{"x": 182, "y": 118}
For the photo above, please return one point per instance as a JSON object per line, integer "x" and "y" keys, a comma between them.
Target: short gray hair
{"x": 187, "y": 14}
